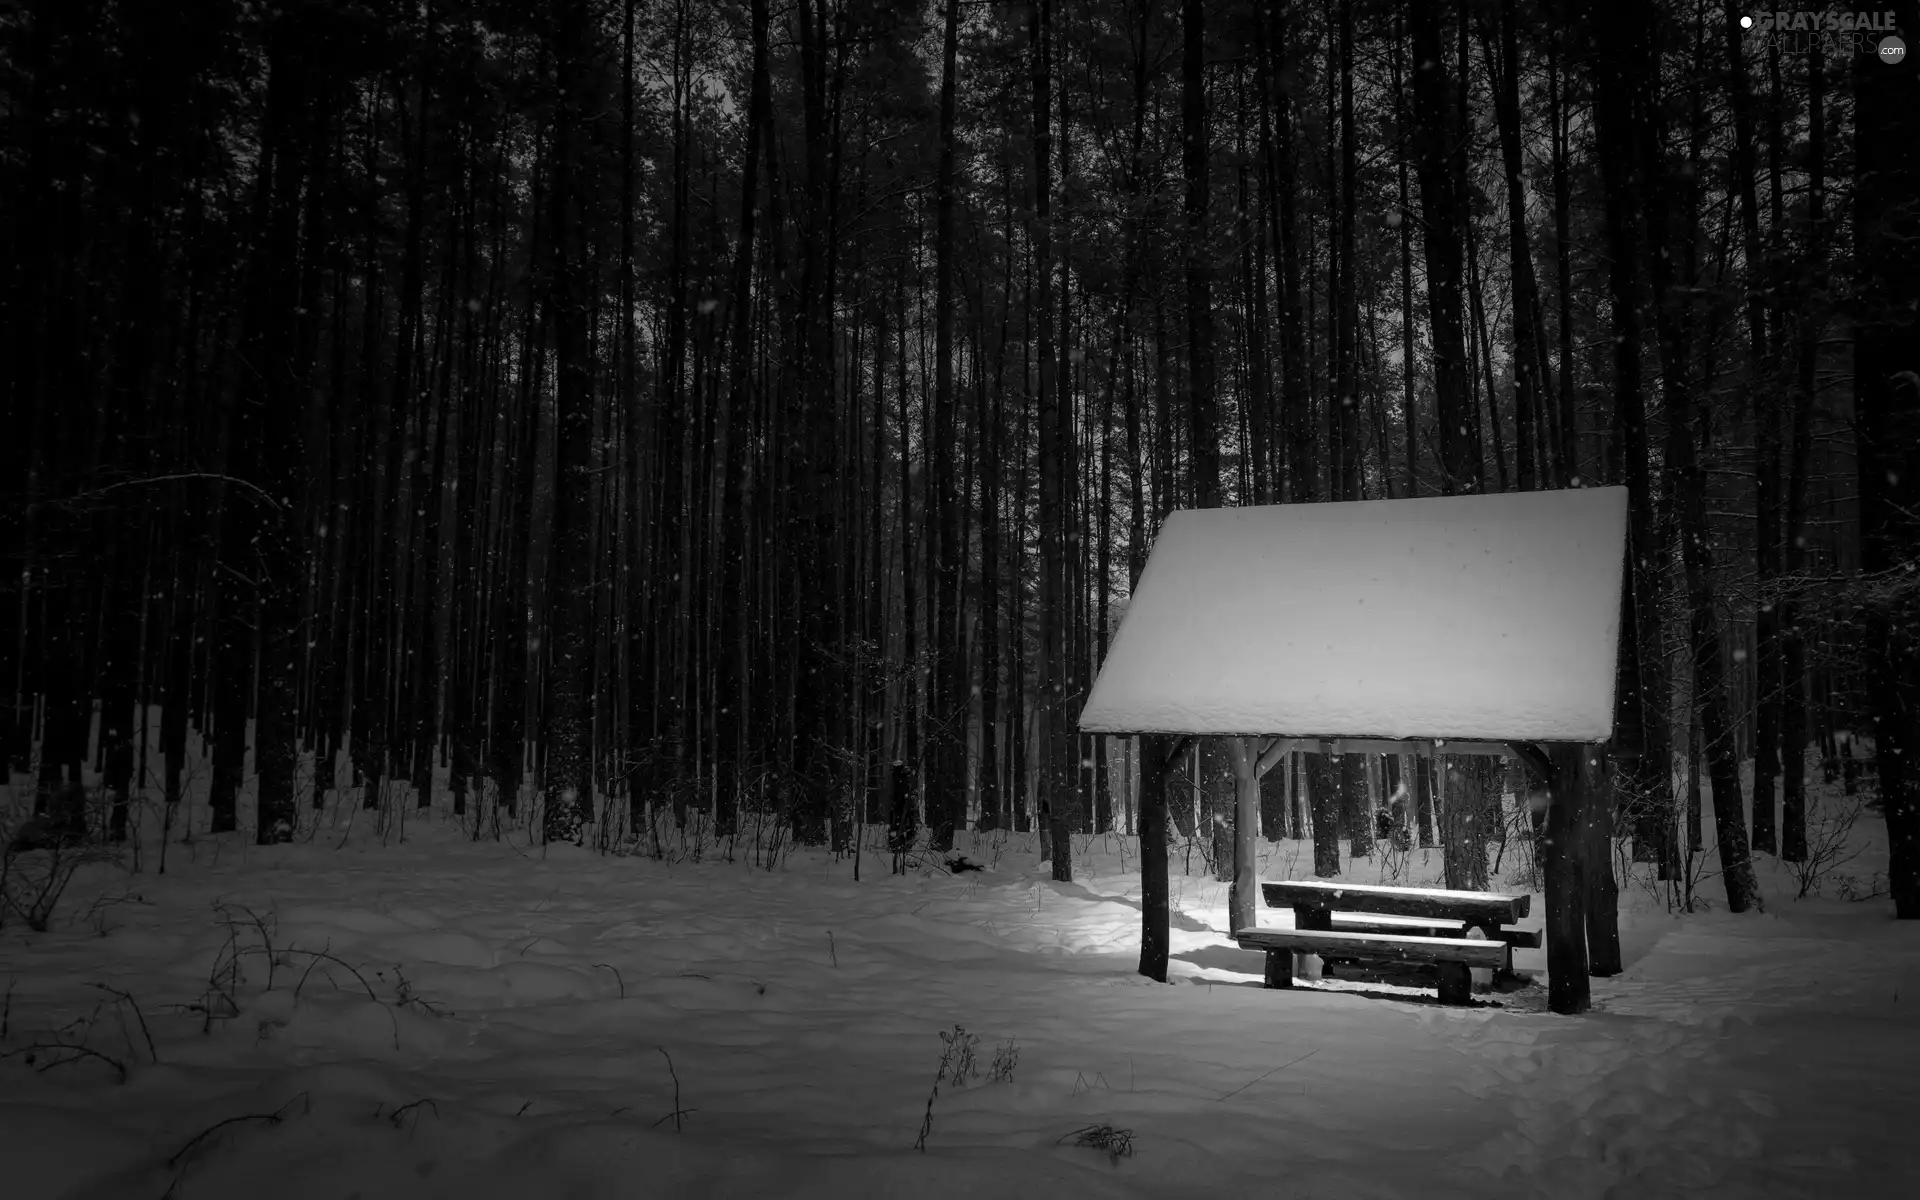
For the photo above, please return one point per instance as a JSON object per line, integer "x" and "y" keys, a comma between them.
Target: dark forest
{"x": 612, "y": 416}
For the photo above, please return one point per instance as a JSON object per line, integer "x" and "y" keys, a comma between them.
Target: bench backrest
{"x": 1404, "y": 902}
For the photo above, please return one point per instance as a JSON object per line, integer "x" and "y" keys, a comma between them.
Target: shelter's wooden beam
{"x": 1450, "y": 746}
{"x": 1272, "y": 754}
{"x": 1278, "y": 747}
{"x": 1181, "y": 743}
{"x": 1531, "y": 754}
{"x": 1422, "y": 747}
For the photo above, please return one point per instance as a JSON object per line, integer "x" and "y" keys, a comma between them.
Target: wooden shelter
{"x": 1484, "y": 624}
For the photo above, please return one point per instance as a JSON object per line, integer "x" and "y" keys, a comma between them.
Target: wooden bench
{"x": 1453, "y": 930}
{"x": 1454, "y": 957}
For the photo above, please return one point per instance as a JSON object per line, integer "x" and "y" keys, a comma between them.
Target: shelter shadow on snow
{"x": 1080, "y": 891}
{"x": 1224, "y": 958}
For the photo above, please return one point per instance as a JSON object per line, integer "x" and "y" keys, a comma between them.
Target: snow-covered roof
{"x": 1491, "y": 617}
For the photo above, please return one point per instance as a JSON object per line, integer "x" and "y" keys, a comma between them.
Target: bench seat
{"x": 1454, "y": 956}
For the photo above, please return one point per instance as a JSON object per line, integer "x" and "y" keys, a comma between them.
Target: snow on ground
{"x": 531, "y": 1010}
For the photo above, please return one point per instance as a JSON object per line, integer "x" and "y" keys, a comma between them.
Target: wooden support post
{"x": 1481, "y": 977}
{"x": 1310, "y": 966}
{"x": 1243, "y": 900}
{"x": 1456, "y": 983}
{"x": 1596, "y": 842}
{"x": 1279, "y": 968}
{"x": 1156, "y": 753}
{"x": 1568, "y": 991}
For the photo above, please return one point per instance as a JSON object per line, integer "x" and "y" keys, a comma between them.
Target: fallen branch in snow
{"x": 1116, "y": 1142}
{"x": 229, "y": 960}
{"x": 621, "y": 983}
{"x": 260, "y": 926}
{"x": 319, "y": 955}
{"x": 127, "y": 998}
{"x": 182, "y": 1158}
{"x": 1283, "y": 1066}
{"x": 74, "y": 1051}
{"x": 678, "y": 1112}
{"x": 405, "y": 995}
{"x": 404, "y": 1109}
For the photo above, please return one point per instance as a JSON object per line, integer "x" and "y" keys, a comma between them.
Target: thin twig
{"x": 616, "y": 978}
{"x": 397, "y": 1113}
{"x": 125, "y": 483}
{"x": 260, "y": 926}
{"x": 142, "y": 1017}
{"x": 1283, "y": 1066}
{"x": 79, "y": 1052}
{"x": 677, "y": 1112}
{"x": 273, "y": 1118}
{"x": 317, "y": 955}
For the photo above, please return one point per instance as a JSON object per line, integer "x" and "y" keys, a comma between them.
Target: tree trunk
{"x": 948, "y": 690}
{"x": 568, "y": 776}
{"x": 1602, "y": 907}
{"x": 1886, "y": 387}
{"x": 1529, "y": 365}
{"x": 1324, "y": 788}
{"x": 1056, "y": 771}
{"x": 1625, "y": 75}
{"x": 1356, "y": 806}
{"x": 1567, "y": 448}
{"x": 1404, "y": 220}
{"x": 1463, "y": 825}
{"x": 1423, "y": 800}
{"x": 1344, "y": 419}
{"x": 1686, "y": 479}
{"x": 1437, "y": 130}
{"x": 1243, "y": 898}
{"x": 1766, "y": 455}
{"x": 1568, "y": 991}
{"x": 1156, "y": 757}
{"x": 1202, "y": 407}
{"x": 1793, "y": 671}
{"x": 733, "y": 671}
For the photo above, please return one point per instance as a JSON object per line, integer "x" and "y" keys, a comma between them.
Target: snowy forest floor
{"x": 449, "y": 1018}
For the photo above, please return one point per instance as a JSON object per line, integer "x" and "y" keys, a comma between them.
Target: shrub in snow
{"x": 957, "y": 1065}
{"x": 39, "y": 856}
{"x": 1830, "y": 821}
